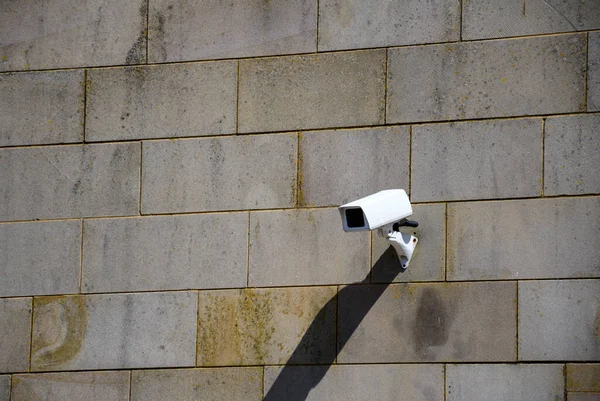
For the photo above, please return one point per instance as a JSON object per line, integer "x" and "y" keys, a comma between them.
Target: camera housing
{"x": 385, "y": 211}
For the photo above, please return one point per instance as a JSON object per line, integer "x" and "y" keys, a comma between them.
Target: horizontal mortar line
{"x": 268, "y": 56}
{"x": 301, "y": 130}
{"x": 302, "y": 286}
{"x": 305, "y": 208}
{"x": 188, "y": 367}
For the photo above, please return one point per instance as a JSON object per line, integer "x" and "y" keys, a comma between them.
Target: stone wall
{"x": 169, "y": 176}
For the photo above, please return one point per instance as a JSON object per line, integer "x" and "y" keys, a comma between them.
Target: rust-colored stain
{"x": 59, "y": 329}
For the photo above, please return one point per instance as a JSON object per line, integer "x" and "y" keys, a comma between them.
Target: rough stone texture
{"x": 505, "y": 382}
{"x": 198, "y": 29}
{"x": 40, "y": 258}
{"x": 69, "y": 181}
{"x": 593, "y": 82}
{"x": 476, "y": 160}
{"x": 15, "y": 334}
{"x": 356, "y": 24}
{"x": 232, "y": 173}
{"x": 161, "y": 101}
{"x": 544, "y": 238}
{"x": 567, "y": 312}
{"x": 427, "y": 263}
{"x": 266, "y": 326}
{"x": 485, "y": 19}
{"x": 486, "y": 79}
{"x": 427, "y": 322}
{"x": 340, "y": 166}
{"x": 165, "y": 253}
{"x": 232, "y": 384}
{"x": 39, "y": 34}
{"x": 305, "y": 247}
{"x": 5, "y": 388}
{"x": 41, "y": 107}
{"x": 583, "y": 396}
{"x": 114, "y": 331}
{"x": 583, "y": 377}
{"x": 315, "y": 91}
{"x": 572, "y": 155}
{"x": 355, "y": 383}
{"x": 76, "y": 386}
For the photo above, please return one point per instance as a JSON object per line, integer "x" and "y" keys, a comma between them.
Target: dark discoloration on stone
{"x": 432, "y": 322}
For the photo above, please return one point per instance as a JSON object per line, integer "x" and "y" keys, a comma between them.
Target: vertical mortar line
{"x": 565, "y": 390}
{"x": 147, "y": 30}
{"x": 410, "y": 131}
{"x": 237, "y": 99}
{"x": 85, "y": 89}
{"x": 385, "y": 85}
{"x": 263, "y": 382}
{"x": 130, "y": 380}
{"x": 298, "y": 135}
{"x": 197, "y": 328}
{"x": 446, "y": 244}
{"x": 586, "y": 68}
{"x": 517, "y": 320}
{"x": 81, "y": 257}
{"x": 140, "y": 179}
{"x": 445, "y": 370}
{"x": 461, "y": 21}
{"x": 317, "y": 39}
{"x": 30, "y": 339}
{"x": 370, "y": 257}
{"x": 248, "y": 254}
{"x": 337, "y": 323}
{"x": 543, "y": 154}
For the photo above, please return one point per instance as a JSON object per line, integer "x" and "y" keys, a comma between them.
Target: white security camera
{"x": 386, "y": 211}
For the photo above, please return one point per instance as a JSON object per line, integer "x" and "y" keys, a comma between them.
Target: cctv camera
{"x": 385, "y": 211}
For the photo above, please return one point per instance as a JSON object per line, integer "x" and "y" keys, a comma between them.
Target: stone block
{"x": 118, "y": 331}
{"x": 358, "y": 24}
{"x": 41, "y": 107}
{"x": 355, "y": 383}
{"x": 165, "y": 253}
{"x": 583, "y": 396}
{"x": 504, "y": 382}
{"x": 176, "y": 100}
{"x": 572, "y": 155}
{"x": 75, "y": 386}
{"x": 266, "y": 326}
{"x": 593, "y": 76}
{"x": 460, "y": 322}
{"x": 340, "y": 166}
{"x": 476, "y": 160}
{"x": 4, "y": 388}
{"x": 231, "y": 173}
{"x": 521, "y": 239}
{"x": 428, "y": 262}
{"x": 69, "y": 181}
{"x": 232, "y": 384}
{"x": 71, "y": 33}
{"x": 501, "y": 78}
{"x": 305, "y": 247}
{"x": 583, "y": 377}
{"x": 313, "y": 91}
{"x": 183, "y": 30}
{"x": 567, "y": 312}
{"x": 484, "y": 19}
{"x": 15, "y": 334}
{"x": 40, "y": 258}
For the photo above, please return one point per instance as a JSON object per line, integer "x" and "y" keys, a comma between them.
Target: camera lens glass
{"x": 355, "y": 218}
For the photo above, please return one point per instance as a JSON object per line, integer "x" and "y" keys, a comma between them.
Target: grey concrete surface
{"x": 516, "y": 77}
{"x": 428, "y": 322}
{"x": 198, "y": 29}
{"x": 117, "y": 331}
{"x": 71, "y": 33}
{"x": 567, "y": 313}
{"x": 305, "y": 247}
{"x": 264, "y": 326}
{"x": 165, "y": 253}
{"x": 593, "y": 76}
{"x": 340, "y": 166}
{"x": 572, "y": 155}
{"x": 504, "y": 382}
{"x": 232, "y": 384}
{"x": 4, "y": 388}
{"x": 583, "y": 396}
{"x": 362, "y": 382}
{"x": 357, "y": 24}
{"x": 15, "y": 334}
{"x": 583, "y": 377}
{"x": 314, "y": 91}
{"x": 41, "y": 107}
{"x": 40, "y": 258}
{"x": 69, "y": 181}
{"x": 175, "y": 100}
{"x": 233, "y": 173}
{"x": 484, "y": 19}
{"x": 521, "y": 239}
{"x": 476, "y": 160}
{"x": 75, "y": 386}
{"x": 428, "y": 261}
